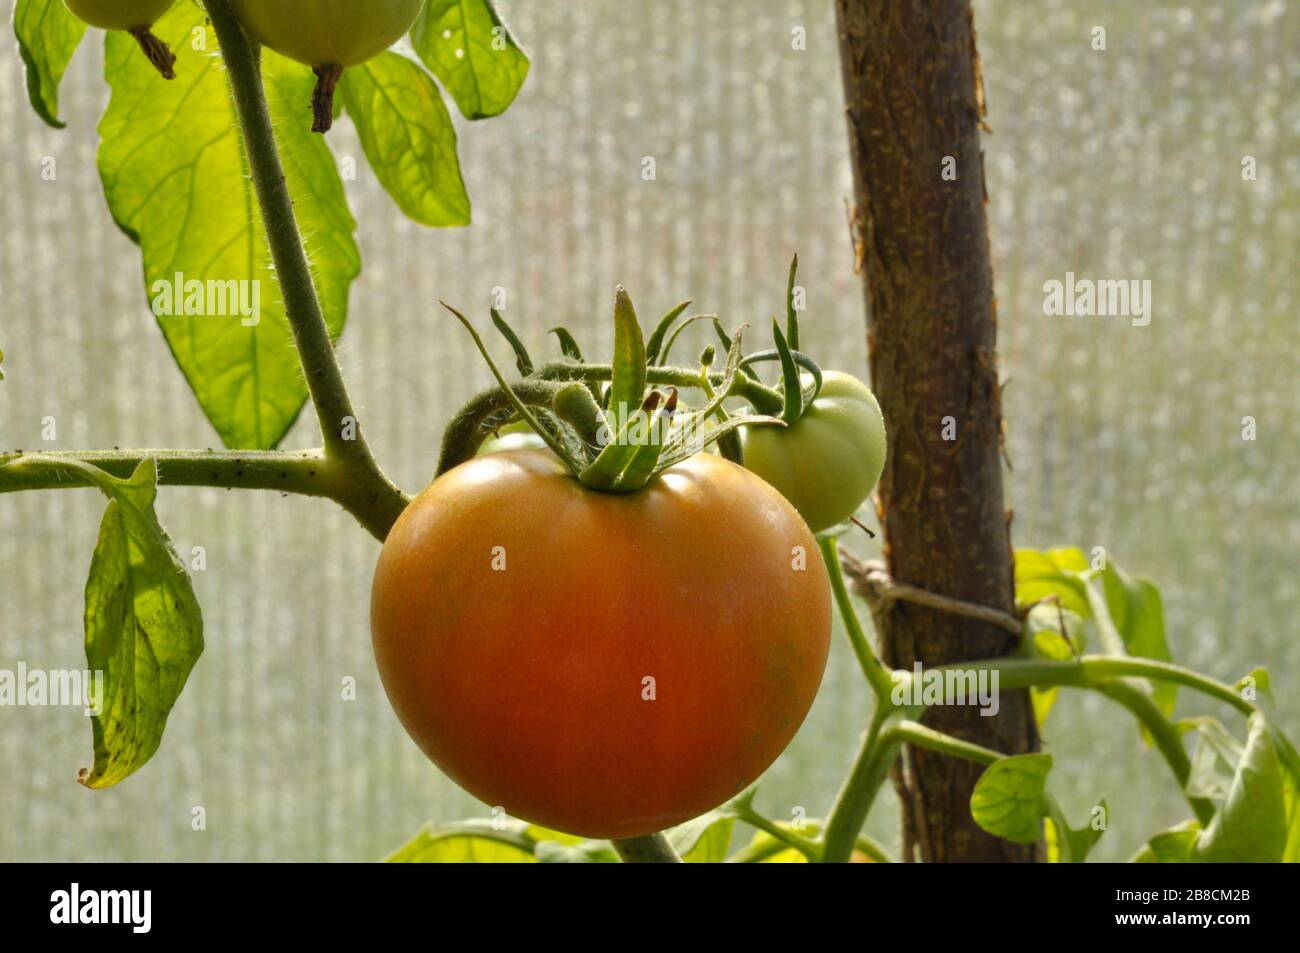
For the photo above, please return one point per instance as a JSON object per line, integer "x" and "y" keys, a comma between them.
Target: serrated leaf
{"x": 1008, "y": 798}
{"x": 48, "y": 34}
{"x": 472, "y": 53}
{"x": 409, "y": 140}
{"x": 175, "y": 176}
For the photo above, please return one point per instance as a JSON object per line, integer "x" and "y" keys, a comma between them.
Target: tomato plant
{"x": 614, "y": 635}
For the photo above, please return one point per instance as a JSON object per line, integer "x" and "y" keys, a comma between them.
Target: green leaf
{"x": 627, "y": 387}
{"x": 473, "y": 842}
{"x": 583, "y": 852}
{"x": 1138, "y": 613}
{"x": 175, "y": 176}
{"x": 522, "y": 360}
{"x": 791, "y": 381}
{"x": 1079, "y": 840}
{"x": 470, "y": 50}
{"x": 705, "y": 839}
{"x": 408, "y": 138}
{"x": 1126, "y": 609}
{"x": 1215, "y": 745}
{"x": 1044, "y": 639}
{"x": 1290, "y": 763}
{"x": 661, "y": 329}
{"x": 1250, "y": 825}
{"x": 1052, "y": 572}
{"x": 1008, "y": 799}
{"x": 1173, "y": 846}
{"x": 47, "y": 35}
{"x": 791, "y": 315}
{"x": 144, "y": 628}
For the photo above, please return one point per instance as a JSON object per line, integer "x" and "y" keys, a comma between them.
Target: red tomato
{"x": 599, "y": 664}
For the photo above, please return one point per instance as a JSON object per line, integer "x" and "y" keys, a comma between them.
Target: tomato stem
{"x": 322, "y": 97}
{"x": 651, "y": 849}
{"x": 343, "y": 438}
{"x": 157, "y": 52}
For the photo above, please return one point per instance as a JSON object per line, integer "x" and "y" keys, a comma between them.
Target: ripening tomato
{"x": 119, "y": 14}
{"x": 606, "y": 665}
{"x": 828, "y": 461}
{"x": 328, "y": 32}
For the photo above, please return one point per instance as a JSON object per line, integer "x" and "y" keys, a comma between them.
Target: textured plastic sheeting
{"x": 1117, "y": 164}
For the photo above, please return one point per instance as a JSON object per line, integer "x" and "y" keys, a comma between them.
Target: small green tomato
{"x": 826, "y": 463}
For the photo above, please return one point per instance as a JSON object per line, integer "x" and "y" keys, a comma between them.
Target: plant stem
{"x": 651, "y": 849}
{"x": 858, "y": 793}
{"x": 764, "y": 399}
{"x": 343, "y": 438}
{"x": 877, "y": 675}
{"x": 1166, "y": 737}
{"x": 1092, "y": 671}
{"x": 306, "y": 473}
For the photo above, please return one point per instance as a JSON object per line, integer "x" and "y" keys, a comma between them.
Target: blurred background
{"x": 1123, "y": 163}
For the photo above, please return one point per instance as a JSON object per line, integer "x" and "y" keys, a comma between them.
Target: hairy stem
{"x": 651, "y": 849}
{"x": 306, "y": 473}
{"x": 343, "y": 438}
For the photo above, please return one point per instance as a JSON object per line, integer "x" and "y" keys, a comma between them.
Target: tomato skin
{"x": 328, "y": 32}
{"x": 829, "y": 460}
{"x": 119, "y": 14}
{"x": 525, "y": 685}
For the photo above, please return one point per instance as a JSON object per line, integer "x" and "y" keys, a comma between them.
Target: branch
{"x": 306, "y": 473}
{"x": 877, "y": 587}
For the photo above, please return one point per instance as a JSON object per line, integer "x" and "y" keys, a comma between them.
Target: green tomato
{"x": 328, "y": 32}
{"x": 119, "y": 14}
{"x": 826, "y": 463}
{"x": 513, "y": 436}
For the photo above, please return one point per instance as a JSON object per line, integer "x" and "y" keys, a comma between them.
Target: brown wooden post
{"x": 914, "y": 100}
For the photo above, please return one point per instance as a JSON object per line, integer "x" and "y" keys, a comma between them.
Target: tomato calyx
{"x": 618, "y": 439}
